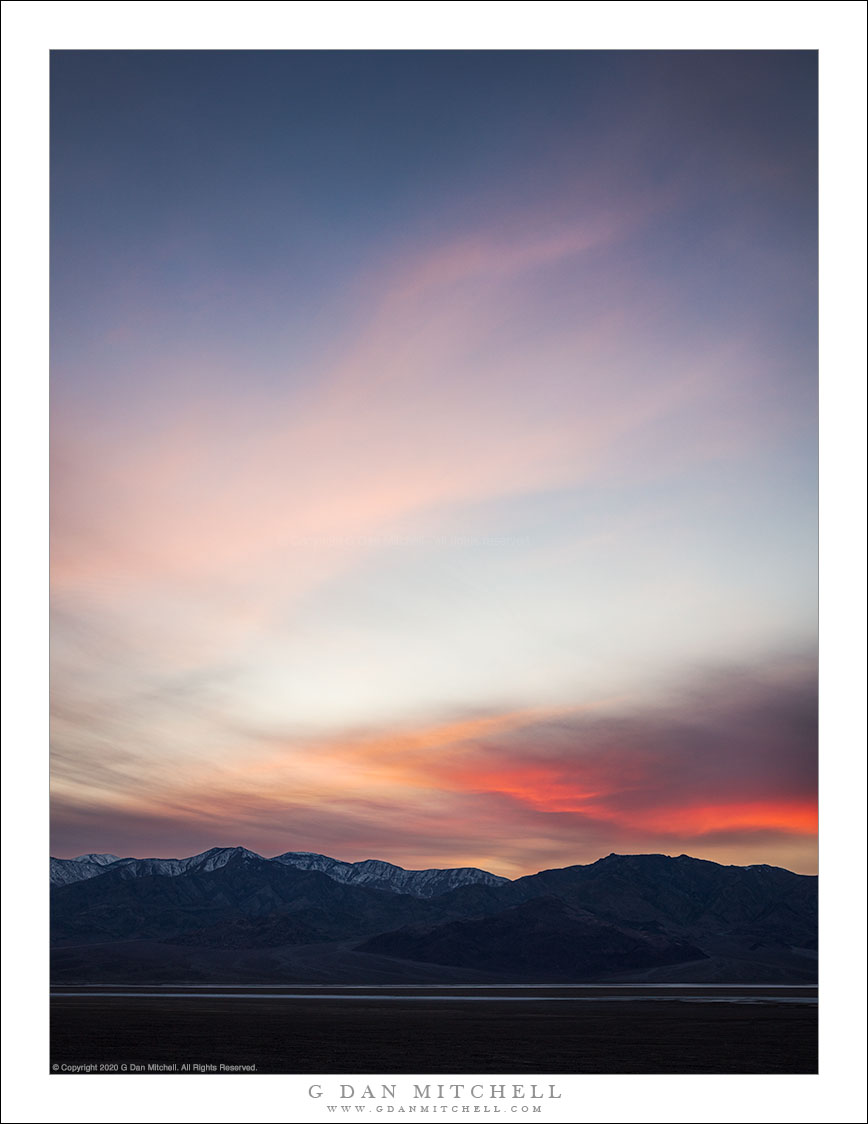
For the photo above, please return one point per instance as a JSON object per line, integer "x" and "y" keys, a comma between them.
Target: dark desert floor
{"x": 440, "y": 1030}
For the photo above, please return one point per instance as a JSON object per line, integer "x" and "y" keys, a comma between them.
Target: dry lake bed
{"x": 314, "y": 1029}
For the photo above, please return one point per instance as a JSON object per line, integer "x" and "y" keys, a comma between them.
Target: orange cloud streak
{"x": 458, "y": 758}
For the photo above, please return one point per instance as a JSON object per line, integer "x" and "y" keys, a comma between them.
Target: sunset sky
{"x": 434, "y": 455}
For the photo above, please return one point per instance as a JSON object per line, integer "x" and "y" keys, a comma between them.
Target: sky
{"x": 434, "y": 454}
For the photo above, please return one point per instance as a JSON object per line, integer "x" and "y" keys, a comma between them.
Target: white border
{"x": 838, "y": 31}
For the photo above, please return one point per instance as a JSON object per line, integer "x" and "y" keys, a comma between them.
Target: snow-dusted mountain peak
{"x": 375, "y": 873}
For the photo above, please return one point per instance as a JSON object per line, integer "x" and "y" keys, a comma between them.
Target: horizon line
{"x": 83, "y": 856}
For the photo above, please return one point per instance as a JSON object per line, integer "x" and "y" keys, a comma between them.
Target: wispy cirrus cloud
{"x": 397, "y": 485}
{"x": 711, "y": 775}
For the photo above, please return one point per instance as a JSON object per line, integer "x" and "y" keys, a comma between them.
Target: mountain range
{"x": 371, "y": 872}
{"x": 231, "y": 915}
